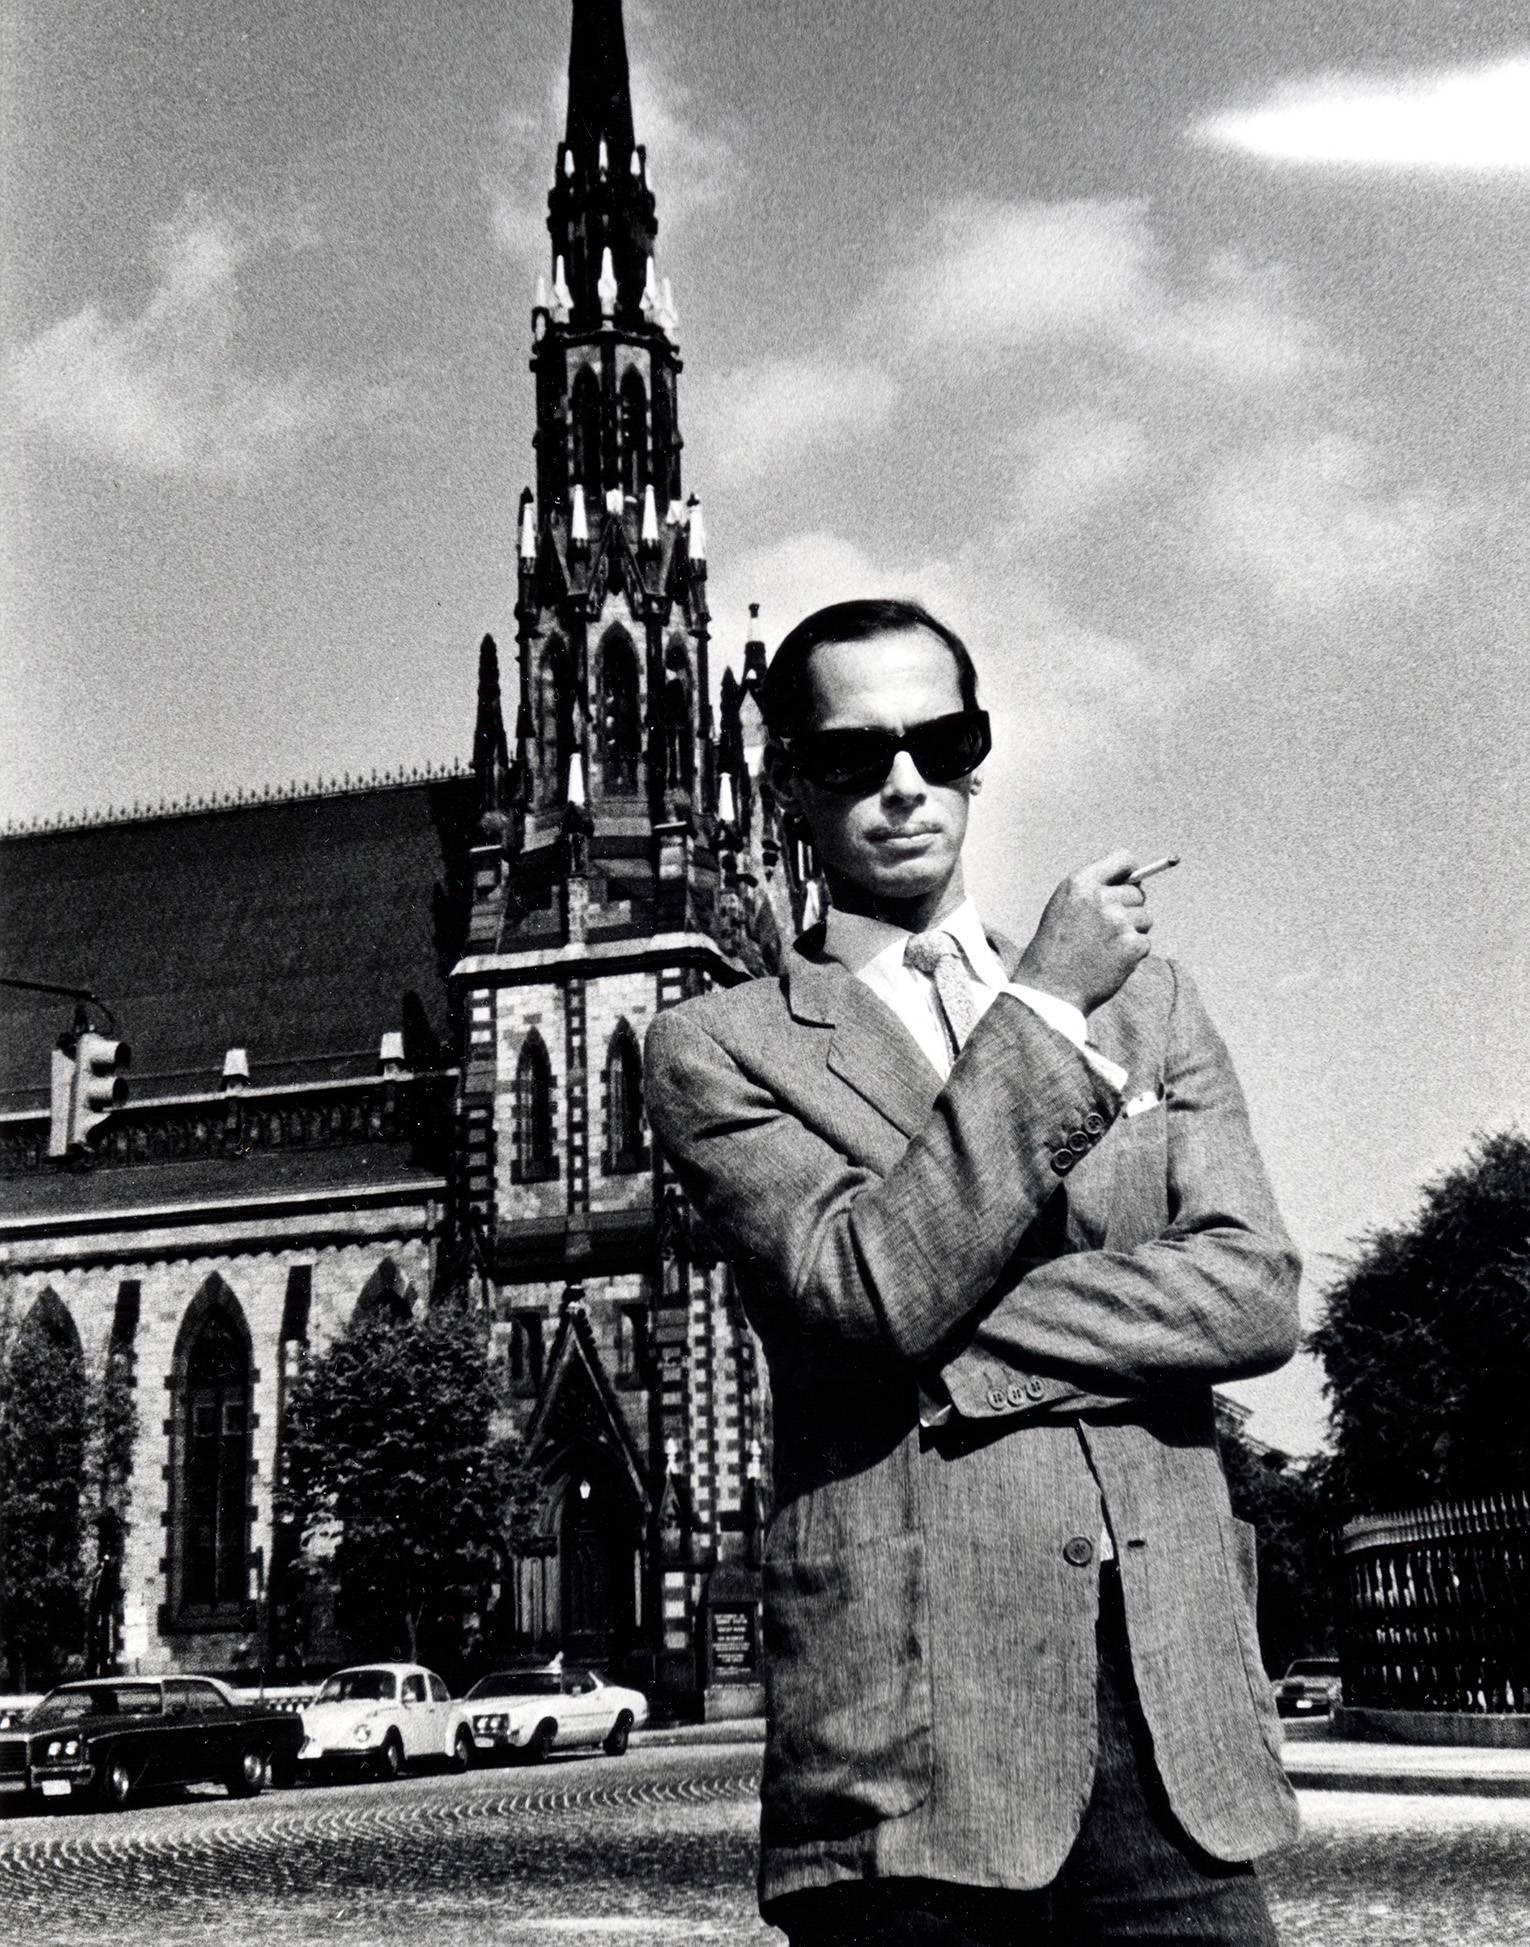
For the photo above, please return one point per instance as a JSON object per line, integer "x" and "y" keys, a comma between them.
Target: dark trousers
{"x": 1132, "y": 1874}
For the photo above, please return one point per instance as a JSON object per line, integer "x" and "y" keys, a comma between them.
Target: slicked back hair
{"x": 786, "y": 694}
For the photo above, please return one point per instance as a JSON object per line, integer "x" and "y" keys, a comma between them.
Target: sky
{"x": 1172, "y": 352}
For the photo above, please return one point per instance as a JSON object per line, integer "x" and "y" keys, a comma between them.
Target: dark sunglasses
{"x": 859, "y": 759}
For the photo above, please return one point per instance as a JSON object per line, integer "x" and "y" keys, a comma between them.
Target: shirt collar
{"x": 858, "y": 942}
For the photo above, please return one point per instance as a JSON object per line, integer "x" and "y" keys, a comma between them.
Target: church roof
{"x": 301, "y": 930}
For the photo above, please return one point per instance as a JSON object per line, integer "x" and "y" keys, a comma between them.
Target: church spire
{"x": 600, "y": 212}
{"x": 599, "y": 91}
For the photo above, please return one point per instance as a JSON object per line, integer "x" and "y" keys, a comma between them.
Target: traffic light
{"x": 88, "y": 1083}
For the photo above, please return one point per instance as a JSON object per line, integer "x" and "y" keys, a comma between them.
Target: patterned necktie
{"x": 939, "y": 956}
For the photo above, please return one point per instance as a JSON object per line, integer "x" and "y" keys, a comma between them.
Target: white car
{"x": 383, "y": 1716}
{"x": 525, "y": 1713}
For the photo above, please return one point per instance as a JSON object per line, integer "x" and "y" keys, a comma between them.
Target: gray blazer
{"x": 1078, "y": 1278}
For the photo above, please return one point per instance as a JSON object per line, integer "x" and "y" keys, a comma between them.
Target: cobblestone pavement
{"x": 655, "y": 1847}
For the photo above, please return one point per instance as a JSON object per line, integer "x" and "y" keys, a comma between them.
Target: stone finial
{"x": 528, "y": 531}
{"x": 605, "y": 290}
{"x": 650, "y": 533}
{"x": 562, "y": 296}
{"x": 578, "y": 522}
{"x": 696, "y": 531}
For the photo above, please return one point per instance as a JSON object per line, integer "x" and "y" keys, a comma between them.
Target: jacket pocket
{"x": 848, "y": 1690}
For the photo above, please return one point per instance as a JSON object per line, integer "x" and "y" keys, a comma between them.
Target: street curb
{"x": 1411, "y": 1784}
{"x": 728, "y": 1730}
{"x": 1391, "y": 1772}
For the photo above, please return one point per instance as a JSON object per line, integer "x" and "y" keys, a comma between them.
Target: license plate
{"x": 55, "y": 1788}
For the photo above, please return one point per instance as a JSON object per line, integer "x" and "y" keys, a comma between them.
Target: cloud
{"x": 1308, "y": 519}
{"x": 163, "y": 391}
{"x": 1054, "y": 682}
{"x": 1475, "y": 118}
{"x": 762, "y": 418}
{"x": 1074, "y": 463}
{"x": 691, "y": 161}
{"x": 995, "y": 278}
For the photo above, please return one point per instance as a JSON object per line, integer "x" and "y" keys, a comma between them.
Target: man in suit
{"x": 998, "y": 1219}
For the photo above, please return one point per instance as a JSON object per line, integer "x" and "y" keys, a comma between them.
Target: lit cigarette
{"x": 1149, "y": 871}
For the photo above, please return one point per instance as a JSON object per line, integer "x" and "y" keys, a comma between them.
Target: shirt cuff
{"x": 1068, "y": 1021}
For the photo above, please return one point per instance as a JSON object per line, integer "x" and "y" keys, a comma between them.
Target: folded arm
{"x": 829, "y": 1247}
{"x": 1211, "y": 1297}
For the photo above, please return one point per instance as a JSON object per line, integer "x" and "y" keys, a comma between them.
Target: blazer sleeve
{"x": 828, "y": 1247}
{"x": 1211, "y": 1297}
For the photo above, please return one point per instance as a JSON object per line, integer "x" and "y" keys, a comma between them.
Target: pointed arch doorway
{"x": 600, "y": 1562}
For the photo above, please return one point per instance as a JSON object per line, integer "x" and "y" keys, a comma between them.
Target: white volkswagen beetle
{"x": 525, "y": 1713}
{"x": 381, "y": 1717}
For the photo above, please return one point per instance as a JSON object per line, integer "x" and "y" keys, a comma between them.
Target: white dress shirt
{"x": 872, "y": 949}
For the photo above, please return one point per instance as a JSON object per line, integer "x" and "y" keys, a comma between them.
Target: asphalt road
{"x": 657, "y": 1846}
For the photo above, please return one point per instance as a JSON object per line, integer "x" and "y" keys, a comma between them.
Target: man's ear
{"x": 784, "y": 781}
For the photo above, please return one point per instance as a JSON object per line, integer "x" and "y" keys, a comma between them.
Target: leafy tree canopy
{"x": 390, "y": 1447}
{"x": 1426, "y": 1342}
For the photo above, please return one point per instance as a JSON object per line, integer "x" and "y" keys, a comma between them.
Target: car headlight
{"x": 63, "y": 1747}
{"x": 495, "y": 1721}
{"x": 365, "y": 1732}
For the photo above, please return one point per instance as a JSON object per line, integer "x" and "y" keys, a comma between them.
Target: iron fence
{"x": 1435, "y": 1607}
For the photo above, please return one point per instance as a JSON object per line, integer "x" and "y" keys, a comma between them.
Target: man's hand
{"x": 1092, "y": 934}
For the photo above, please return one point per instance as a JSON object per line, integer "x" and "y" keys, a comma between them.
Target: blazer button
{"x": 1017, "y": 1394}
{"x": 1094, "y": 1123}
{"x": 1035, "y": 1389}
{"x": 1062, "y": 1161}
{"x": 1078, "y": 1142}
{"x": 998, "y": 1399}
{"x": 1078, "y": 1551}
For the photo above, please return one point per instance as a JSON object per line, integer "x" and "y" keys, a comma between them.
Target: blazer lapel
{"x": 870, "y": 1049}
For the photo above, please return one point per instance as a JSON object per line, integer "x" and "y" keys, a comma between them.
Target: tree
{"x": 43, "y": 1406}
{"x": 390, "y": 1449}
{"x": 1286, "y": 1502}
{"x": 1426, "y": 1342}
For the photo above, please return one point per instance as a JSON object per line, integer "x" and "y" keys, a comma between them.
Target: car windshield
{"x": 98, "y": 1700}
{"x": 517, "y": 1683}
{"x": 1314, "y": 1666}
{"x": 360, "y": 1687}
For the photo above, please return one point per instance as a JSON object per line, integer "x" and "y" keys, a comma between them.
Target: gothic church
{"x": 389, "y": 1033}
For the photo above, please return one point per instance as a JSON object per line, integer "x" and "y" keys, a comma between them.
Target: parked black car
{"x": 101, "y": 1741}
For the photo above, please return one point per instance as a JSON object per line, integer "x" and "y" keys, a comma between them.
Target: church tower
{"x": 621, "y": 862}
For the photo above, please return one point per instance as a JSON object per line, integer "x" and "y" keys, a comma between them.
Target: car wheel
{"x": 541, "y": 1741}
{"x": 390, "y": 1759}
{"x": 616, "y": 1738}
{"x": 248, "y": 1777}
{"x": 116, "y": 1783}
{"x": 462, "y": 1749}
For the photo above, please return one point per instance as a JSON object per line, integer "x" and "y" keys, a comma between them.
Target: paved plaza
{"x": 658, "y": 1846}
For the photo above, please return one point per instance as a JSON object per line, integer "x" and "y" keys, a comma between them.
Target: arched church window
{"x": 213, "y": 1499}
{"x": 554, "y": 720}
{"x": 624, "y": 1148}
{"x": 679, "y": 747}
{"x": 535, "y": 1156}
{"x": 620, "y": 729}
{"x": 634, "y": 434}
{"x": 585, "y": 417}
{"x": 385, "y": 1298}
